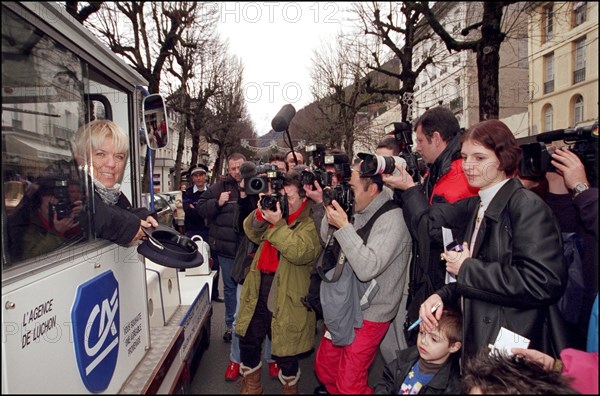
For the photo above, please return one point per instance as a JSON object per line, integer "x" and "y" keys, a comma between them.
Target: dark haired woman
{"x": 510, "y": 272}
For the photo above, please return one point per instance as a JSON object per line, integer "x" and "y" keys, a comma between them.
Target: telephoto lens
{"x": 373, "y": 164}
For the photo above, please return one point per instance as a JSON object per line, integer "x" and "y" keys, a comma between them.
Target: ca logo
{"x": 95, "y": 318}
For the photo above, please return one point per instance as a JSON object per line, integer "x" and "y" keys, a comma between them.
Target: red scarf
{"x": 269, "y": 258}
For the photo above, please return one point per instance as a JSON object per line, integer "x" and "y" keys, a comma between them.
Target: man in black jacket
{"x": 218, "y": 205}
{"x": 196, "y": 225}
{"x": 437, "y": 140}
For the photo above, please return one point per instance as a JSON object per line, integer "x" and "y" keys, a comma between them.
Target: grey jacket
{"x": 383, "y": 259}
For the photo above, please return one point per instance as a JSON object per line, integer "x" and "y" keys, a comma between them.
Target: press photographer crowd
{"x": 486, "y": 257}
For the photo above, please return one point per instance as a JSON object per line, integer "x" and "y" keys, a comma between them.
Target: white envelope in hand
{"x": 507, "y": 340}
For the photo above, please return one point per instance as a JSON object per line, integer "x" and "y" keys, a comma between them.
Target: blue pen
{"x": 412, "y": 326}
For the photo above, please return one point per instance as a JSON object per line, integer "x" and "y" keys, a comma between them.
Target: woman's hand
{"x": 535, "y": 356}
{"x": 139, "y": 235}
{"x": 454, "y": 259}
{"x": 430, "y": 320}
{"x": 149, "y": 222}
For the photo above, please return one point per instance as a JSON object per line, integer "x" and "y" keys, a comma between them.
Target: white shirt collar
{"x": 196, "y": 188}
{"x": 488, "y": 194}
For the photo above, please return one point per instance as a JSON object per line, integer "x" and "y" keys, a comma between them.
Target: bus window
{"x": 48, "y": 93}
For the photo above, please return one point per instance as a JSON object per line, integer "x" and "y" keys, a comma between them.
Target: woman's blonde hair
{"x": 92, "y": 135}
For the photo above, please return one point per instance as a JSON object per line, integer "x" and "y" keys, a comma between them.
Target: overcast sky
{"x": 275, "y": 41}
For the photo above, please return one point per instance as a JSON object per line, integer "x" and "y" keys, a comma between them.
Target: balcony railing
{"x": 549, "y": 86}
{"x": 578, "y": 75}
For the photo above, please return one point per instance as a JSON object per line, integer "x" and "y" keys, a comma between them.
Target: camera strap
{"x": 363, "y": 232}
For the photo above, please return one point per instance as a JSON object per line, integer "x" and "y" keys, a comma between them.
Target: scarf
{"x": 269, "y": 256}
{"x": 110, "y": 196}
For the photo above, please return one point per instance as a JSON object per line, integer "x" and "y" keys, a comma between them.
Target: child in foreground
{"x": 429, "y": 367}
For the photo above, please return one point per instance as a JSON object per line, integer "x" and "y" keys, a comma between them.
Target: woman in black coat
{"x": 511, "y": 270}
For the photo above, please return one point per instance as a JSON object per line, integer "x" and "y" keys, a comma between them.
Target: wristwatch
{"x": 579, "y": 188}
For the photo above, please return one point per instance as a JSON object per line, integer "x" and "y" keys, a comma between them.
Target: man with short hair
{"x": 359, "y": 306}
{"x": 388, "y": 146}
{"x": 291, "y": 161}
{"x": 193, "y": 223}
{"x": 279, "y": 160}
{"x": 394, "y": 339}
{"x": 218, "y": 205}
{"x": 438, "y": 142}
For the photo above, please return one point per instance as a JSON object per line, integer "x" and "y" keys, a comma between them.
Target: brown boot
{"x": 251, "y": 380}
{"x": 290, "y": 384}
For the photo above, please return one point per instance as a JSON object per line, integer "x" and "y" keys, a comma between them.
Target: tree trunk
{"x": 488, "y": 61}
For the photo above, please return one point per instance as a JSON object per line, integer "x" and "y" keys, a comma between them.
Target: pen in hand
{"x": 412, "y": 326}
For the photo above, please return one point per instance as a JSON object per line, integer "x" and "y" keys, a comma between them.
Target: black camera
{"x": 316, "y": 155}
{"x": 537, "y": 156}
{"x": 310, "y": 176}
{"x": 269, "y": 202}
{"x": 266, "y": 174}
{"x": 60, "y": 190}
{"x": 324, "y": 167}
{"x": 342, "y": 193}
{"x": 415, "y": 165}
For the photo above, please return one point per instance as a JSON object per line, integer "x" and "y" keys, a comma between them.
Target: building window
{"x": 523, "y": 53}
{"x": 579, "y": 69}
{"x": 578, "y": 110}
{"x": 548, "y": 22}
{"x": 548, "y": 118}
{"x": 579, "y": 13}
{"x": 549, "y": 73}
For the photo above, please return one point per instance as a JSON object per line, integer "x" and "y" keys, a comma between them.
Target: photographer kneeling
{"x": 271, "y": 304}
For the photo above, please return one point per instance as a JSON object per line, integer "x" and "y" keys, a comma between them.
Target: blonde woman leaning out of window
{"x": 103, "y": 147}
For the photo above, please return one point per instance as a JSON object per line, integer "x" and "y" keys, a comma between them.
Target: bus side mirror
{"x": 156, "y": 122}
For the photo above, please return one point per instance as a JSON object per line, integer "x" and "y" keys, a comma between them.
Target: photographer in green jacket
{"x": 278, "y": 278}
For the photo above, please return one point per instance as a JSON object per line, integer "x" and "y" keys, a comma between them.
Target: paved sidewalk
{"x": 210, "y": 377}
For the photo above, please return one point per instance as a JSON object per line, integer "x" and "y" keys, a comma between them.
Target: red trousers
{"x": 345, "y": 369}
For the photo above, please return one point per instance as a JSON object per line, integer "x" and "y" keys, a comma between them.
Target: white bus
{"x": 81, "y": 315}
